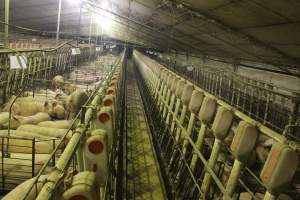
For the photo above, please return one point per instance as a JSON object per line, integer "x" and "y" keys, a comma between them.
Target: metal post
{"x": 211, "y": 164}
{"x": 79, "y": 24}
{"x": 90, "y": 31}
{"x": 53, "y": 159}
{"x": 233, "y": 178}
{"x": 2, "y": 162}
{"x": 58, "y": 21}
{"x": 33, "y": 158}
{"x": 6, "y": 20}
{"x": 199, "y": 143}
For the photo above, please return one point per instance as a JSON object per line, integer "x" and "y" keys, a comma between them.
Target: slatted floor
{"x": 143, "y": 180}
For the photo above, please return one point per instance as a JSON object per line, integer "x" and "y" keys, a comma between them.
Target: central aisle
{"x": 143, "y": 180}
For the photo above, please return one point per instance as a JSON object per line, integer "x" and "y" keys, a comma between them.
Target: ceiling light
{"x": 105, "y": 18}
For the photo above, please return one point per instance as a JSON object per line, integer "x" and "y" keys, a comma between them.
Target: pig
{"x": 58, "y": 96}
{"x": 18, "y": 144}
{"x": 61, "y": 124}
{"x": 16, "y": 120}
{"x": 51, "y": 141}
{"x": 58, "y": 81}
{"x": 76, "y": 100}
{"x": 45, "y": 131}
{"x": 30, "y": 99}
{"x": 57, "y": 111}
{"x": 263, "y": 147}
{"x": 3, "y": 119}
{"x": 27, "y": 108}
{"x": 68, "y": 88}
{"x": 25, "y": 134}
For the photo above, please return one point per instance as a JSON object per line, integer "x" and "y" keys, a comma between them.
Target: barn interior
{"x": 150, "y": 99}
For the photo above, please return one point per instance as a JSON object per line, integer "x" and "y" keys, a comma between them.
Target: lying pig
{"x": 17, "y": 144}
{"x": 16, "y": 120}
{"x": 28, "y": 108}
{"x": 61, "y": 124}
{"x": 36, "y": 98}
{"x": 3, "y": 119}
{"x": 51, "y": 141}
{"x": 45, "y": 131}
{"x": 58, "y": 96}
{"x": 76, "y": 100}
{"x": 25, "y": 134}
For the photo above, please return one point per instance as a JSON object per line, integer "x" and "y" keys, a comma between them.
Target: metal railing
{"x": 189, "y": 152}
{"x": 67, "y": 164}
{"x": 275, "y": 107}
{"x": 23, "y": 161}
{"x": 41, "y": 64}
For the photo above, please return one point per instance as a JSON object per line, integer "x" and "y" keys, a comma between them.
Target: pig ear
{"x": 46, "y": 103}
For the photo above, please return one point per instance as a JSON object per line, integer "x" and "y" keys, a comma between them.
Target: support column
{"x": 6, "y": 20}
{"x": 58, "y": 21}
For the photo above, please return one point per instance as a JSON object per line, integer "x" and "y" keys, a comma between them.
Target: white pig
{"x": 58, "y": 81}
{"x": 61, "y": 124}
{"x": 76, "y": 100}
{"x": 45, "y": 131}
{"x": 17, "y": 120}
{"x": 28, "y": 108}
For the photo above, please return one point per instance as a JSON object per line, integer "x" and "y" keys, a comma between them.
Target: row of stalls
{"x": 58, "y": 118}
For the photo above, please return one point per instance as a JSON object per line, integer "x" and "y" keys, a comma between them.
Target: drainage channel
{"x": 143, "y": 176}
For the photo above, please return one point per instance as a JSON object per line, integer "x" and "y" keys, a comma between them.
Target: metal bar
{"x": 33, "y": 158}
{"x": 57, "y": 174}
{"x": 58, "y": 21}
{"x": 234, "y": 177}
{"x": 6, "y": 26}
{"x": 2, "y": 162}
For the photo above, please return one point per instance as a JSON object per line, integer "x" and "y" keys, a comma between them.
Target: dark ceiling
{"x": 258, "y": 30}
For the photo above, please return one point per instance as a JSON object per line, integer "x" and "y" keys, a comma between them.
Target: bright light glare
{"x": 104, "y": 19}
{"x": 75, "y": 2}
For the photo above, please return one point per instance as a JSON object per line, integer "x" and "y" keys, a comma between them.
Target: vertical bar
{"x": 6, "y": 20}
{"x": 33, "y": 157}
{"x": 233, "y": 178}
{"x": 90, "y": 31}
{"x": 58, "y": 21}
{"x": 188, "y": 132}
{"x": 53, "y": 159}
{"x": 79, "y": 25}
{"x": 211, "y": 163}
{"x": 199, "y": 143}
{"x": 266, "y": 108}
{"x": 2, "y": 162}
